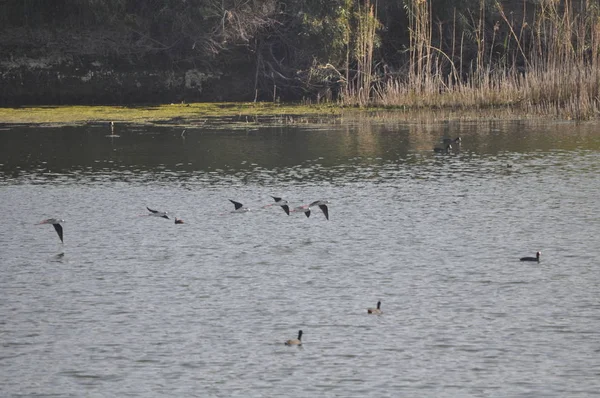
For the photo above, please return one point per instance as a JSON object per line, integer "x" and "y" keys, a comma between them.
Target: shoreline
{"x": 244, "y": 114}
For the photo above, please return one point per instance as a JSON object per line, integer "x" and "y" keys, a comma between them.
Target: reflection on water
{"x": 133, "y": 305}
{"x": 76, "y": 152}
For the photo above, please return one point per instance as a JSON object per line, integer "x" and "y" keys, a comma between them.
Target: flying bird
{"x": 239, "y": 208}
{"x": 305, "y": 209}
{"x": 56, "y": 224}
{"x": 322, "y": 205}
{"x": 280, "y": 202}
{"x": 156, "y": 213}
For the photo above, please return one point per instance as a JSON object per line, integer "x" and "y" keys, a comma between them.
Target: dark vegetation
{"x": 538, "y": 55}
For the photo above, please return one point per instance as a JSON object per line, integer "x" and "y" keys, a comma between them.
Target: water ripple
{"x": 133, "y": 305}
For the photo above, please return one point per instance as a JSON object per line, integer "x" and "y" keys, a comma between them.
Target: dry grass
{"x": 549, "y": 68}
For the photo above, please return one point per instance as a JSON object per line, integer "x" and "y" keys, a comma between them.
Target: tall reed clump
{"x": 564, "y": 73}
{"x": 358, "y": 89}
{"x": 546, "y": 64}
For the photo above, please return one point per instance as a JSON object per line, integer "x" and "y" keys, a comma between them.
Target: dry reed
{"x": 549, "y": 66}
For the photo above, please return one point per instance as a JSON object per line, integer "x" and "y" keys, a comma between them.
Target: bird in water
{"x": 156, "y": 213}
{"x": 456, "y": 141}
{"x": 56, "y": 224}
{"x": 280, "y": 202}
{"x": 178, "y": 221}
{"x": 536, "y": 258}
{"x": 297, "y": 341}
{"x": 375, "y": 310}
{"x": 444, "y": 150}
{"x": 112, "y": 131}
{"x": 239, "y": 208}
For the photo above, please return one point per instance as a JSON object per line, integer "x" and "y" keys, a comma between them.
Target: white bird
{"x": 305, "y": 209}
{"x": 239, "y": 208}
{"x": 56, "y": 224}
{"x": 112, "y": 131}
{"x": 322, "y": 205}
{"x": 280, "y": 202}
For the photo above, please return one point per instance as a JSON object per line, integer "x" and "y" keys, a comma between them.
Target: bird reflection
{"x": 58, "y": 258}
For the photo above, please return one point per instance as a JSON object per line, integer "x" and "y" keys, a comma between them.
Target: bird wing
{"x": 59, "y": 231}
{"x": 151, "y": 211}
{"x": 307, "y": 212}
{"x": 325, "y": 210}
{"x": 165, "y": 216}
{"x": 236, "y": 204}
{"x": 276, "y": 198}
{"x": 286, "y": 208}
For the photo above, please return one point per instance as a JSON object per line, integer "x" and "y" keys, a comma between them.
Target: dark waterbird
{"x": 536, "y": 258}
{"x": 455, "y": 141}
{"x": 445, "y": 150}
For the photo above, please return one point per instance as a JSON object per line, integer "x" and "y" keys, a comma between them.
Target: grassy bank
{"x": 241, "y": 115}
{"x": 174, "y": 114}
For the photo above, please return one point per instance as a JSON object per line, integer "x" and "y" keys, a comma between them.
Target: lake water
{"x": 139, "y": 306}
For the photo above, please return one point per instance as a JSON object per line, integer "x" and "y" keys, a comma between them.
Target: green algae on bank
{"x": 173, "y": 114}
{"x": 242, "y": 115}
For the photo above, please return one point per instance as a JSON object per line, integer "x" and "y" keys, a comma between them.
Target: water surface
{"x": 139, "y": 306}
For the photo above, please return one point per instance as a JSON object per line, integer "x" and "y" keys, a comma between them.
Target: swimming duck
{"x": 536, "y": 258}
{"x": 297, "y": 341}
{"x": 375, "y": 310}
